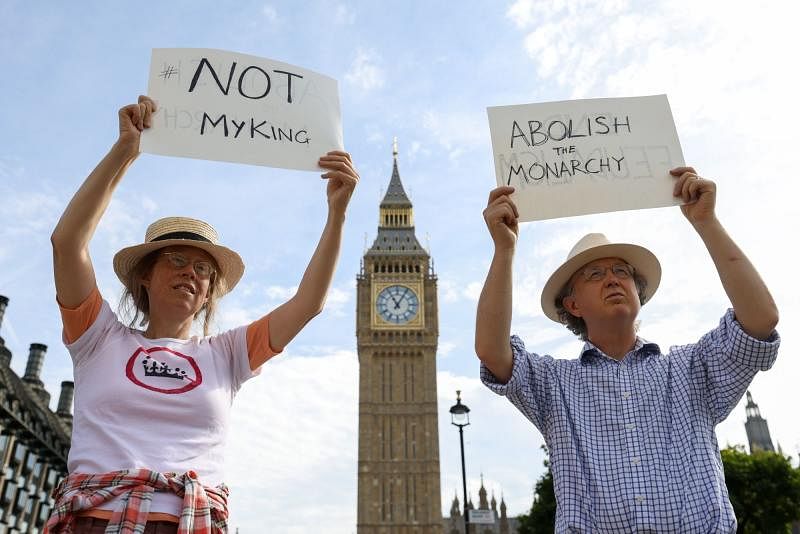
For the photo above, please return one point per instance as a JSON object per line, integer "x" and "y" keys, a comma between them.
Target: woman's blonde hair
{"x": 135, "y": 301}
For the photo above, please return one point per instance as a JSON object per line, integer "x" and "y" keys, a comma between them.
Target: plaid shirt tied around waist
{"x": 205, "y": 509}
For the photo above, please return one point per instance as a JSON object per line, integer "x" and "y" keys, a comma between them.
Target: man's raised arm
{"x": 752, "y": 302}
{"x": 493, "y": 323}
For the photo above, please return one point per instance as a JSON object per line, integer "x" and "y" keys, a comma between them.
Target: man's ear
{"x": 571, "y": 305}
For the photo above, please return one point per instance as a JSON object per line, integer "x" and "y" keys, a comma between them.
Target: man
{"x": 630, "y": 429}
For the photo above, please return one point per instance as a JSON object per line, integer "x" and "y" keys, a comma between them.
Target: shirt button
{"x": 639, "y": 499}
{"x": 626, "y": 394}
{"x": 636, "y": 460}
{"x": 630, "y": 426}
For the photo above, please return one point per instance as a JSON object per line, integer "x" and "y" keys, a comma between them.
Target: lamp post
{"x": 459, "y": 416}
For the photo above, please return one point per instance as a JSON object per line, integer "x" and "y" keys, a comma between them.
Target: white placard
{"x": 481, "y": 517}
{"x": 227, "y": 106}
{"x": 586, "y": 156}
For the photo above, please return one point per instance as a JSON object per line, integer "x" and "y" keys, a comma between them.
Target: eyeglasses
{"x": 622, "y": 271}
{"x": 203, "y": 269}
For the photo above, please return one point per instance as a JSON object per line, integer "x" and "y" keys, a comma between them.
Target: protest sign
{"x": 586, "y": 156}
{"x": 227, "y": 106}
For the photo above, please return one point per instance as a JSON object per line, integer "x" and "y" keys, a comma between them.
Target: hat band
{"x": 182, "y": 235}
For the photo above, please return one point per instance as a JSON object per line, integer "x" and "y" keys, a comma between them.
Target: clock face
{"x": 397, "y": 304}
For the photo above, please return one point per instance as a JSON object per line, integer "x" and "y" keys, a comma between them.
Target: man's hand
{"x": 133, "y": 119}
{"x": 502, "y": 218}
{"x": 699, "y": 194}
{"x": 342, "y": 179}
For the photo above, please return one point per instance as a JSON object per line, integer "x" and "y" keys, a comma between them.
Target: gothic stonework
{"x": 397, "y": 332}
{"x": 756, "y": 427}
{"x": 34, "y": 441}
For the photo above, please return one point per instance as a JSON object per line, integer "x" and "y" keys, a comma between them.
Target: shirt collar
{"x": 642, "y": 347}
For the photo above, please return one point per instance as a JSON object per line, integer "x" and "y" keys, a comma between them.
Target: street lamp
{"x": 459, "y": 416}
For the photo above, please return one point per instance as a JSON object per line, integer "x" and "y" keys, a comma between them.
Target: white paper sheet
{"x": 586, "y": 156}
{"x": 235, "y": 107}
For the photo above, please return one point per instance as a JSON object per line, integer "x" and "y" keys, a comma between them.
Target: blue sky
{"x": 424, "y": 72}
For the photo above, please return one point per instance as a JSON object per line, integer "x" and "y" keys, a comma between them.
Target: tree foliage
{"x": 764, "y": 490}
{"x": 542, "y": 516}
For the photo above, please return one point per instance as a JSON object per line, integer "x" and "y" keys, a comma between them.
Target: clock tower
{"x": 397, "y": 331}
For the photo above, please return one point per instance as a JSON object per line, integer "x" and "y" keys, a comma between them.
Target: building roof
{"x": 28, "y": 416}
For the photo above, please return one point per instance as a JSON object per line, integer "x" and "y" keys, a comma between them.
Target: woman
{"x": 151, "y": 407}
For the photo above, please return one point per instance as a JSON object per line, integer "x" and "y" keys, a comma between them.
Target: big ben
{"x": 397, "y": 330}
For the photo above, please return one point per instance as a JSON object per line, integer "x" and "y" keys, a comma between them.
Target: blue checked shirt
{"x": 632, "y": 443}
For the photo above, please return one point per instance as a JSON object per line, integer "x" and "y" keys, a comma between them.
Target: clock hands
{"x": 396, "y": 302}
{"x": 404, "y": 300}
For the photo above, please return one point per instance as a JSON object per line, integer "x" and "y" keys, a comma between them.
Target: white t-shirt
{"x": 159, "y": 404}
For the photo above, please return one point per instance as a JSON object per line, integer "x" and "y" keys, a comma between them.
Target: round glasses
{"x": 622, "y": 271}
{"x": 203, "y": 269}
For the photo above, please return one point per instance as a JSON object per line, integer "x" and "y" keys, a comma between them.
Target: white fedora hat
{"x": 171, "y": 231}
{"x": 593, "y": 247}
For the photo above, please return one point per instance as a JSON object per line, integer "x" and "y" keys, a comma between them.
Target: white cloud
{"x": 123, "y": 223}
{"x": 344, "y": 15}
{"x": 338, "y": 299}
{"x": 445, "y": 348}
{"x": 452, "y": 291}
{"x": 375, "y": 136}
{"x": 270, "y": 13}
{"x": 10, "y": 169}
{"x": 253, "y": 300}
{"x": 295, "y": 426}
{"x": 365, "y": 72}
{"x": 473, "y": 291}
{"x": 30, "y": 211}
{"x": 417, "y": 149}
{"x": 280, "y": 292}
{"x": 449, "y": 290}
{"x": 458, "y": 132}
{"x": 149, "y": 205}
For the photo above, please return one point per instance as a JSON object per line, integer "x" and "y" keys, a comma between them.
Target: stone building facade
{"x": 758, "y": 437}
{"x": 34, "y": 441}
{"x": 397, "y": 334}
{"x": 502, "y": 523}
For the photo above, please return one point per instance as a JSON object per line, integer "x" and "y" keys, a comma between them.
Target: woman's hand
{"x": 133, "y": 119}
{"x": 342, "y": 179}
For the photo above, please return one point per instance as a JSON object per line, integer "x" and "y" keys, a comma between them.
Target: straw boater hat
{"x": 594, "y": 247}
{"x": 171, "y": 231}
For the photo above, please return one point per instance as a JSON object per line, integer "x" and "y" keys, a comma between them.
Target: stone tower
{"x": 397, "y": 331}
{"x": 756, "y": 427}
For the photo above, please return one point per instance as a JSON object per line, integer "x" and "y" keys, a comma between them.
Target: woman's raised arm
{"x": 74, "y": 274}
